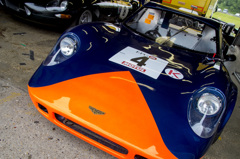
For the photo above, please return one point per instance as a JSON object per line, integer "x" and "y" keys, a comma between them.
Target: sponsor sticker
{"x": 140, "y": 61}
{"x": 174, "y": 73}
{"x": 151, "y": 16}
{"x": 149, "y": 19}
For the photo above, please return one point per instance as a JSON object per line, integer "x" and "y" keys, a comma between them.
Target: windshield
{"x": 172, "y": 30}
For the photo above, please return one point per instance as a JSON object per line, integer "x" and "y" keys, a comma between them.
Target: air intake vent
{"x": 139, "y": 157}
{"x": 90, "y": 134}
{"x": 43, "y": 108}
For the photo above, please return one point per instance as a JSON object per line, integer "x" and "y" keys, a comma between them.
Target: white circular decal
{"x": 174, "y": 73}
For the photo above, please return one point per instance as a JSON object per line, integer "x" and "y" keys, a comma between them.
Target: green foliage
{"x": 227, "y": 18}
{"x": 233, "y": 6}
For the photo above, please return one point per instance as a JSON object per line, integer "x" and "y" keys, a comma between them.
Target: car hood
{"x": 100, "y": 42}
{"x": 129, "y": 94}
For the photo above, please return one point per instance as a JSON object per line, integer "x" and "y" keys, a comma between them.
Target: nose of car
{"x": 113, "y": 104}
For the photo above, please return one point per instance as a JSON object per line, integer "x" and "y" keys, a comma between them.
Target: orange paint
{"x": 200, "y": 9}
{"x": 167, "y": 1}
{"x": 127, "y": 121}
{"x": 150, "y": 16}
{"x": 147, "y": 21}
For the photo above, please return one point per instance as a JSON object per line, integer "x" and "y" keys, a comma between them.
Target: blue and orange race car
{"x": 153, "y": 87}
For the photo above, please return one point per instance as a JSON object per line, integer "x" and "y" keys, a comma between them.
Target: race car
{"x": 153, "y": 87}
{"x": 70, "y": 12}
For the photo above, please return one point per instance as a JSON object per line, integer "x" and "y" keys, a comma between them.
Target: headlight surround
{"x": 205, "y": 111}
{"x": 63, "y": 5}
{"x": 65, "y": 48}
{"x": 57, "y": 6}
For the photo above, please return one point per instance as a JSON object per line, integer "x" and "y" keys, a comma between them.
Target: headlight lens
{"x": 64, "y": 5}
{"x": 209, "y": 104}
{"x": 56, "y": 6}
{"x": 205, "y": 111}
{"x": 65, "y": 48}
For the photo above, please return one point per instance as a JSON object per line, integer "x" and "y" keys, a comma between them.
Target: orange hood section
{"x": 112, "y": 105}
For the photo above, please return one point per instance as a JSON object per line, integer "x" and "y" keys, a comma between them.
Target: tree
{"x": 232, "y": 5}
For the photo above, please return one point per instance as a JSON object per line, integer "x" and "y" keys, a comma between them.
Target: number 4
{"x": 140, "y": 60}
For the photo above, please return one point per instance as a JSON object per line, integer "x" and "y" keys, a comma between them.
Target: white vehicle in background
{"x": 225, "y": 11}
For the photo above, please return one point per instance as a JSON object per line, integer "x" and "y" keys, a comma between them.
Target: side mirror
{"x": 230, "y": 57}
{"x": 228, "y": 28}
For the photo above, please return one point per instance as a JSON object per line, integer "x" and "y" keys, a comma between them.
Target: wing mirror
{"x": 231, "y": 54}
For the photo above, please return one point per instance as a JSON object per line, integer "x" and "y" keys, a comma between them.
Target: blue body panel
{"x": 168, "y": 101}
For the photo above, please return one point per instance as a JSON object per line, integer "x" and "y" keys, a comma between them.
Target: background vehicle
{"x": 67, "y": 12}
{"x": 219, "y": 10}
{"x": 225, "y": 10}
{"x": 203, "y": 7}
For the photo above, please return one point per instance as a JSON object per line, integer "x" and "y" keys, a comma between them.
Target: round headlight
{"x": 209, "y": 104}
{"x": 205, "y": 110}
{"x": 63, "y": 5}
{"x": 67, "y": 46}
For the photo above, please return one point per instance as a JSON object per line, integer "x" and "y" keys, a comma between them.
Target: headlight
{"x": 209, "y": 104}
{"x": 64, "y": 5}
{"x": 205, "y": 111}
{"x": 65, "y": 48}
{"x": 56, "y": 6}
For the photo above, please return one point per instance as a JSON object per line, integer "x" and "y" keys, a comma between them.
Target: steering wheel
{"x": 153, "y": 34}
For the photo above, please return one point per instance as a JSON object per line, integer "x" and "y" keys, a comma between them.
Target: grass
{"x": 227, "y": 18}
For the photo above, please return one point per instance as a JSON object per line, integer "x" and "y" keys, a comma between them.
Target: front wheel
{"x": 85, "y": 17}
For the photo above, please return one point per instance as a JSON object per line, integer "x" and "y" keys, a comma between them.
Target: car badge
{"x": 95, "y": 111}
{"x": 174, "y": 73}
